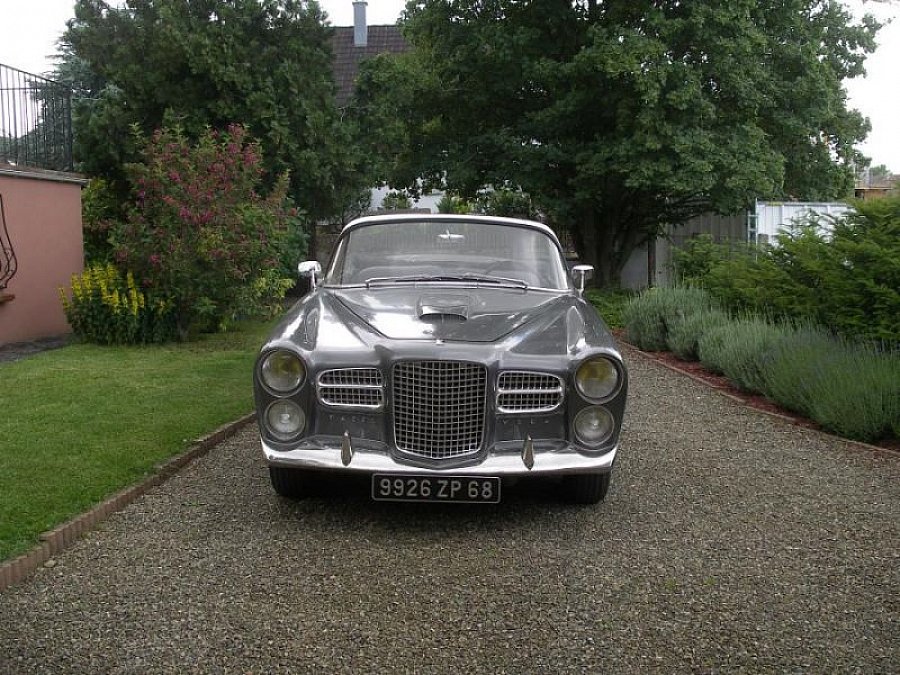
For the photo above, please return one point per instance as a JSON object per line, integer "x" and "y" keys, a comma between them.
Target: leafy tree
{"x": 620, "y": 117}
{"x": 453, "y": 204}
{"x": 879, "y": 173}
{"x": 506, "y": 202}
{"x": 395, "y": 201}
{"x": 100, "y": 211}
{"x": 211, "y": 63}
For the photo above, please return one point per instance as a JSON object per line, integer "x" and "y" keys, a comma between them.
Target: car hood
{"x": 462, "y": 314}
{"x": 520, "y": 321}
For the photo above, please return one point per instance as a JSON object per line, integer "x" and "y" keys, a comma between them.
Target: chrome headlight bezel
{"x": 283, "y": 406}
{"x": 586, "y": 379}
{"x": 601, "y": 413}
{"x": 282, "y": 360}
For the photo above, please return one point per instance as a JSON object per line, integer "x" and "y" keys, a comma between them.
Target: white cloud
{"x": 877, "y": 96}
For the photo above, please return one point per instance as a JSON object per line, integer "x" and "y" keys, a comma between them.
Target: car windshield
{"x": 449, "y": 251}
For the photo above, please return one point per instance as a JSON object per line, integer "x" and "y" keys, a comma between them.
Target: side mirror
{"x": 581, "y": 273}
{"x": 311, "y": 269}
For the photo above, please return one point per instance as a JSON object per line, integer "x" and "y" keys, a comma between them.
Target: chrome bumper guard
{"x": 507, "y": 458}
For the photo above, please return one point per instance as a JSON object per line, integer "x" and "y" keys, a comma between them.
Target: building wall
{"x": 43, "y": 218}
{"x": 720, "y": 228}
{"x": 772, "y": 217}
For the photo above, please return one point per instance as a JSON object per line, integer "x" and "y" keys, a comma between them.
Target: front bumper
{"x": 508, "y": 458}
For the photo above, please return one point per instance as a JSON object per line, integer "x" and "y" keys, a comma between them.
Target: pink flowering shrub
{"x": 200, "y": 236}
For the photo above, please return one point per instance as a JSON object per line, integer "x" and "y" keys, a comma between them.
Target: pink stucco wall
{"x": 43, "y": 217}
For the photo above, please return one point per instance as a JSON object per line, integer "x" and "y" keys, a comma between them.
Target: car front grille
{"x": 525, "y": 392}
{"x": 352, "y": 388}
{"x": 439, "y": 408}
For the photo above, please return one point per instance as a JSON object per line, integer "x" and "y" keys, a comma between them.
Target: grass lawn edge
{"x": 63, "y": 536}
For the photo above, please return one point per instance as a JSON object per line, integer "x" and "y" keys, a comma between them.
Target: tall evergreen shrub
{"x": 841, "y": 273}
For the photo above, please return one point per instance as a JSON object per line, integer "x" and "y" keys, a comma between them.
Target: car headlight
{"x": 597, "y": 378}
{"x": 282, "y": 371}
{"x": 285, "y": 419}
{"x": 594, "y": 425}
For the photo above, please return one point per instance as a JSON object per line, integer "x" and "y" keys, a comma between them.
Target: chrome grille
{"x": 439, "y": 408}
{"x": 525, "y": 392}
{"x": 351, "y": 388}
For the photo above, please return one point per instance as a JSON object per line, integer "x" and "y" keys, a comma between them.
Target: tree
{"x": 210, "y": 63}
{"x": 621, "y": 117}
{"x": 879, "y": 173}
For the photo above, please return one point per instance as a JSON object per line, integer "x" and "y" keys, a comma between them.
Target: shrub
{"x": 647, "y": 317}
{"x": 851, "y": 390}
{"x": 684, "y": 332}
{"x": 795, "y": 366}
{"x": 100, "y": 210}
{"x": 610, "y": 304}
{"x": 507, "y": 202}
{"x": 741, "y": 350}
{"x": 107, "y": 309}
{"x": 453, "y": 204}
{"x": 860, "y": 275}
{"x": 396, "y": 201}
{"x": 859, "y": 394}
{"x": 696, "y": 257}
{"x": 200, "y": 236}
{"x": 842, "y": 273}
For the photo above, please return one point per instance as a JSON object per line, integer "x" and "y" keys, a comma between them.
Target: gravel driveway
{"x": 730, "y": 542}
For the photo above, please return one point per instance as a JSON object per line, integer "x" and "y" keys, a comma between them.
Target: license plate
{"x": 395, "y": 487}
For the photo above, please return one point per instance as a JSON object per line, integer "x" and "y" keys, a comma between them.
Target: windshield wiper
{"x": 471, "y": 278}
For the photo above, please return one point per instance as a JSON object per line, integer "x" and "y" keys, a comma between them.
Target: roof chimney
{"x": 360, "y": 29}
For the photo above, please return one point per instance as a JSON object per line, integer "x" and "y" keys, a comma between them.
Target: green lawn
{"x": 79, "y": 423}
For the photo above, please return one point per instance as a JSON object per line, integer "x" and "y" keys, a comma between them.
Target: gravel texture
{"x": 730, "y": 542}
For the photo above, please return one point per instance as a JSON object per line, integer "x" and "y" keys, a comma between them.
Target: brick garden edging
{"x": 63, "y": 536}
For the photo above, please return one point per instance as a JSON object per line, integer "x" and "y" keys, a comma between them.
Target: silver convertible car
{"x": 443, "y": 357}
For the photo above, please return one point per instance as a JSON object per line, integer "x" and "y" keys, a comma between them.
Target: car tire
{"x": 290, "y": 483}
{"x": 587, "y": 488}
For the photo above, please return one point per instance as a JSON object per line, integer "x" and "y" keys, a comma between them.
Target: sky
{"x": 29, "y": 30}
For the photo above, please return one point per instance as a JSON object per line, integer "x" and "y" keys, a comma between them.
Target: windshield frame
{"x": 505, "y": 280}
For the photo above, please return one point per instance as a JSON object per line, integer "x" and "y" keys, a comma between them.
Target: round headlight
{"x": 282, "y": 371}
{"x": 596, "y": 379}
{"x": 594, "y": 425}
{"x": 285, "y": 419}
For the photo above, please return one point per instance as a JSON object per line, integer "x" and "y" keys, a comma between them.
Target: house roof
{"x": 347, "y": 57}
